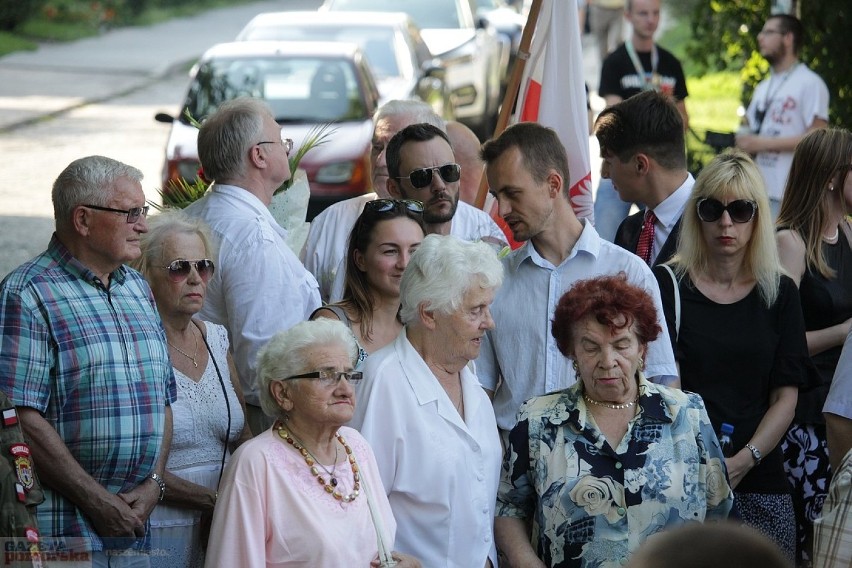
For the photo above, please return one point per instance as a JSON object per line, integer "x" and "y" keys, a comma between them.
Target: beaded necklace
{"x": 312, "y": 462}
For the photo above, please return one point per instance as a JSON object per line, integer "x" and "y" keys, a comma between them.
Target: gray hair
{"x": 418, "y": 111}
{"x": 160, "y": 228}
{"x": 87, "y": 180}
{"x": 285, "y": 355}
{"x": 442, "y": 270}
{"x": 226, "y": 136}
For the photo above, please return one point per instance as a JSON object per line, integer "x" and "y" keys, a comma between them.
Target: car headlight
{"x": 339, "y": 172}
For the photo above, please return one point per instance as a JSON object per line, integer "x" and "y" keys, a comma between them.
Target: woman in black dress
{"x": 738, "y": 333}
{"x": 813, "y": 241}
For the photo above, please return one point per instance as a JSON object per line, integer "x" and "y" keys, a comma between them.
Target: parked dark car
{"x": 402, "y": 64}
{"x": 306, "y": 84}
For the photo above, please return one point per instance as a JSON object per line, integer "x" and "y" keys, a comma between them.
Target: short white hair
{"x": 442, "y": 270}
{"x": 284, "y": 355}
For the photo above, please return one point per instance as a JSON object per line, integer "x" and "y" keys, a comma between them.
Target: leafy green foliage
{"x": 725, "y": 37}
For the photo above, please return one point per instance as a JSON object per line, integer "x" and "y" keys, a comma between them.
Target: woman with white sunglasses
{"x": 738, "y": 333}
{"x": 208, "y": 415}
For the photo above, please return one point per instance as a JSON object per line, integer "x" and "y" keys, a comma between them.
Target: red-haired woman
{"x": 613, "y": 459}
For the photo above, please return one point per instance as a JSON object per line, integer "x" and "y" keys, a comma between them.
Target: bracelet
{"x": 161, "y": 483}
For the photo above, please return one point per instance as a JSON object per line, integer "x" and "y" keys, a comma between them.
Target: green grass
{"x": 47, "y": 30}
{"x": 10, "y": 43}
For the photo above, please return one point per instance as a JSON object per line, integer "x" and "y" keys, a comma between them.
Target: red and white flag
{"x": 553, "y": 93}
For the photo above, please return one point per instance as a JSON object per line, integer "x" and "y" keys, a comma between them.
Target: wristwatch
{"x": 755, "y": 453}
{"x": 161, "y": 483}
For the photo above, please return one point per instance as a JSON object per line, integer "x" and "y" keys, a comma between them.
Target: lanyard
{"x": 651, "y": 83}
{"x": 760, "y": 113}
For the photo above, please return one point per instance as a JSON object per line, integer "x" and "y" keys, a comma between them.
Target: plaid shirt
{"x": 94, "y": 362}
{"x": 833, "y": 531}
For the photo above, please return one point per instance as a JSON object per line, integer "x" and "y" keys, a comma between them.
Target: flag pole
{"x": 512, "y": 88}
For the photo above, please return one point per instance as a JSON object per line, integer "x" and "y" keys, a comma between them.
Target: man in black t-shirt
{"x": 637, "y": 65}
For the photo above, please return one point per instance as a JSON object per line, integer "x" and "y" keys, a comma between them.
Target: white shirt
{"x": 259, "y": 287}
{"x": 441, "y": 473}
{"x": 521, "y": 347}
{"x": 668, "y": 212}
{"x": 324, "y": 254}
{"x": 795, "y": 99}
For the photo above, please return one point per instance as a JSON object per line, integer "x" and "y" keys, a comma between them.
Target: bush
{"x": 15, "y": 12}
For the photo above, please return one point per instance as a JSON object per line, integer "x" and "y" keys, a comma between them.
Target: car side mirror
{"x": 433, "y": 68}
{"x": 164, "y": 118}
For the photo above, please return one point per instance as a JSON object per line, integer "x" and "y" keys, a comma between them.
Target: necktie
{"x": 646, "y": 237}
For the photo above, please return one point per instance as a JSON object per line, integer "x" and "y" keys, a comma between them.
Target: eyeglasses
{"x": 387, "y": 205}
{"x": 740, "y": 210}
{"x": 179, "y": 269}
{"x": 133, "y": 213}
{"x": 330, "y": 378}
{"x": 286, "y": 142}
{"x": 422, "y": 177}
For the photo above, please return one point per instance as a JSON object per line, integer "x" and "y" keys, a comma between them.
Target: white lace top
{"x": 199, "y": 415}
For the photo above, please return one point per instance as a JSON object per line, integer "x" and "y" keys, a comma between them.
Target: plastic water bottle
{"x": 725, "y": 440}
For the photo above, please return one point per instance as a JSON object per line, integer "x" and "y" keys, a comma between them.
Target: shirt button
{"x": 622, "y": 560}
{"x": 487, "y": 539}
{"x": 621, "y": 511}
{"x": 618, "y": 465}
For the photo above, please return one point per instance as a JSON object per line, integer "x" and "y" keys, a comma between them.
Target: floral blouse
{"x": 593, "y": 505}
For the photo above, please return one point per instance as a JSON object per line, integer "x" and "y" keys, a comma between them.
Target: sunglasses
{"x": 422, "y": 177}
{"x": 179, "y": 269}
{"x": 133, "y": 213}
{"x": 387, "y": 205}
{"x": 740, "y": 210}
{"x": 330, "y": 379}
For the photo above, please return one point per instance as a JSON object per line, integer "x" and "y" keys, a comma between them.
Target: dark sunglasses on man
{"x": 740, "y": 210}
{"x": 179, "y": 269}
{"x": 422, "y": 177}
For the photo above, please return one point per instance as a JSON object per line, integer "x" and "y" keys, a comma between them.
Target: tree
{"x": 725, "y": 37}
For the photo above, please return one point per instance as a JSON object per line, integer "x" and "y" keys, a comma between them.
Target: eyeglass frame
{"x": 191, "y": 264}
{"x": 352, "y": 377}
{"x": 133, "y": 214}
{"x": 431, "y": 171}
{"x": 286, "y": 142}
{"x": 725, "y": 207}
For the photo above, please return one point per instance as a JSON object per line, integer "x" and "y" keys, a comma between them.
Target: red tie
{"x": 646, "y": 237}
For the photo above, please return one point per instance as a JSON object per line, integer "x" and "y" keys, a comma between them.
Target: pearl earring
{"x": 831, "y": 188}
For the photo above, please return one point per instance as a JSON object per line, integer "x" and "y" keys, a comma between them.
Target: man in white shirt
{"x": 324, "y": 253}
{"x": 422, "y": 166}
{"x": 788, "y": 104}
{"x": 527, "y": 169}
{"x": 642, "y": 146}
{"x": 259, "y": 287}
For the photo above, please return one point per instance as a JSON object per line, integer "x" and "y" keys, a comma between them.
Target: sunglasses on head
{"x": 740, "y": 210}
{"x": 179, "y": 269}
{"x": 387, "y": 205}
{"x": 422, "y": 177}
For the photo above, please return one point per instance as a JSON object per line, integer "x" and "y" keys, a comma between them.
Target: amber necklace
{"x": 312, "y": 461}
{"x": 185, "y": 354}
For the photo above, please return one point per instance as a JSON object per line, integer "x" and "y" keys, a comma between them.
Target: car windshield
{"x": 427, "y": 15}
{"x": 376, "y": 42}
{"x": 298, "y": 90}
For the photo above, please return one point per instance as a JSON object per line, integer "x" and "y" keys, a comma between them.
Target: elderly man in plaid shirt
{"x": 84, "y": 358}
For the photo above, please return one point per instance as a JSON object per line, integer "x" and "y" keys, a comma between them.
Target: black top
{"x": 734, "y": 355}
{"x": 619, "y": 77}
{"x": 824, "y": 303}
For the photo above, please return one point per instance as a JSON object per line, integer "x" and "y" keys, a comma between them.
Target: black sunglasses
{"x": 330, "y": 378}
{"x": 422, "y": 177}
{"x": 133, "y": 213}
{"x": 179, "y": 269}
{"x": 387, "y": 205}
{"x": 740, "y": 210}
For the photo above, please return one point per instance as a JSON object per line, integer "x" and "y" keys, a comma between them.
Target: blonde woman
{"x": 739, "y": 337}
